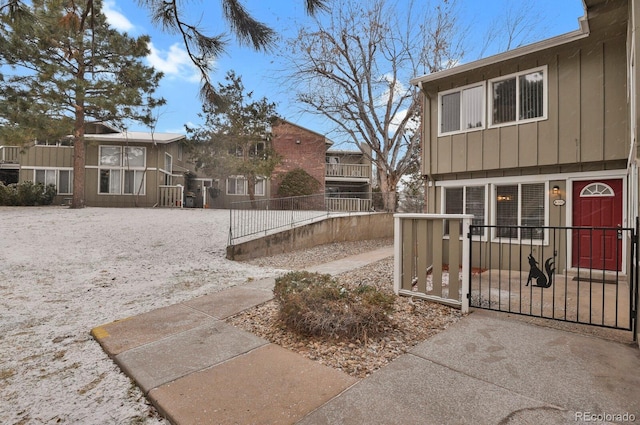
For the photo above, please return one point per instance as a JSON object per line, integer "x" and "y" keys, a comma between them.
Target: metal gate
{"x": 542, "y": 272}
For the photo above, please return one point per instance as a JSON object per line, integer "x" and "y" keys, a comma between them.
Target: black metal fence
{"x": 573, "y": 274}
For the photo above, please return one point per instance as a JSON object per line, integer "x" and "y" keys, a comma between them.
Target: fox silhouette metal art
{"x": 542, "y": 281}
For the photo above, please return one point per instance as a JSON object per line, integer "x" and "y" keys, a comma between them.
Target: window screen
{"x": 504, "y": 101}
{"x": 532, "y": 95}
{"x": 450, "y": 112}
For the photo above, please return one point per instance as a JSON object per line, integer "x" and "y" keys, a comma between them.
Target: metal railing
{"x": 264, "y": 216}
{"x": 585, "y": 275}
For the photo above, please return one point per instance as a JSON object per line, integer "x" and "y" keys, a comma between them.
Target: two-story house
{"x": 122, "y": 169}
{"x": 542, "y": 135}
{"x": 341, "y": 174}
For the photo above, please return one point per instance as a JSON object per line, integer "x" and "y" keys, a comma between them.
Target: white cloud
{"x": 116, "y": 19}
{"x": 174, "y": 63}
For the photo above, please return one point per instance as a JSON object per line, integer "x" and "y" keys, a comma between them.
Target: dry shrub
{"x": 314, "y": 304}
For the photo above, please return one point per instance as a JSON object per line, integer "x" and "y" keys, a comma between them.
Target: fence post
{"x": 397, "y": 254}
{"x": 466, "y": 264}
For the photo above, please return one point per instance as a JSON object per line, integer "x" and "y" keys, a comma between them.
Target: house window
{"x": 237, "y": 185}
{"x": 466, "y": 200}
{"x": 462, "y": 109}
{"x": 46, "y": 177}
{"x": 62, "y": 179}
{"x": 122, "y": 170}
{"x": 520, "y": 205}
{"x": 519, "y": 97}
{"x": 260, "y": 186}
{"x": 597, "y": 189}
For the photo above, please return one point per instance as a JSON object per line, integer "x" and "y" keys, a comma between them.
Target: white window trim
{"x": 123, "y": 169}
{"x": 494, "y": 216}
{"x": 584, "y": 194}
{"x": 545, "y": 97}
{"x": 482, "y": 84}
{"x": 259, "y": 180}
{"x": 236, "y": 178}
{"x": 443, "y": 198}
{"x": 57, "y": 173}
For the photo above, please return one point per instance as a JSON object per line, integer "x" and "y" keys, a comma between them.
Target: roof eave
{"x": 559, "y": 40}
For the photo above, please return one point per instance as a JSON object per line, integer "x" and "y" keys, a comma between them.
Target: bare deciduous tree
{"x": 354, "y": 67}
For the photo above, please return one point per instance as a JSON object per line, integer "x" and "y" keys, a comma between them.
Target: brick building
{"x": 299, "y": 148}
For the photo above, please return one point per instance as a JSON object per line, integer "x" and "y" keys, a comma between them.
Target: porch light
{"x": 556, "y": 190}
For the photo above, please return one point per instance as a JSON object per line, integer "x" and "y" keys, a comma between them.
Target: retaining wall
{"x": 333, "y": 229}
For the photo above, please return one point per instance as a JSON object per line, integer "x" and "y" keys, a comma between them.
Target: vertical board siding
{"x": 592, "y": 105}
{"x": 587, "y": 119}
{"x": 548, "y": 143}
{"x": 615, "y": 101}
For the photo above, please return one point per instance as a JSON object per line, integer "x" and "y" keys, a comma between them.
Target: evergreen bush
{"x": 298, "y": 182}
{"x": 26, "y": 193}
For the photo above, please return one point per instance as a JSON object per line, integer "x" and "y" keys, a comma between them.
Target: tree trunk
{"x": 251, "y": 190}
{"x": 388, "y": 187}
{"x": 79, "y": 155}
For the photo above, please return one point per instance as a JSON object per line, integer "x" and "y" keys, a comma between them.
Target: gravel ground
{"x": 64, "y": 271}
{"x": 412, "y": 321}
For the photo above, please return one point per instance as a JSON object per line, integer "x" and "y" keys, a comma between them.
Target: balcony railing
{"x": 359, "y": 171}
{"x": 9, "y": 154}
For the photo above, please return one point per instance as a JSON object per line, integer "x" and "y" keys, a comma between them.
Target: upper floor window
{"x": 122, "y": 170}
{"x": 462, "y": 109}
{"x": 518, "y": 97}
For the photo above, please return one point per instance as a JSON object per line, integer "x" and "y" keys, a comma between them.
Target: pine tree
{"x": 63, "y": 64}
{"x": 235, "y": 138}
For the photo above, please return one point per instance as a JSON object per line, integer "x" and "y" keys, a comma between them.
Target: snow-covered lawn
{"x": 64, "y": 271}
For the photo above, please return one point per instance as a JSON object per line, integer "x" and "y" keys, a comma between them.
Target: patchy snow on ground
{"x": 65, "y": 271}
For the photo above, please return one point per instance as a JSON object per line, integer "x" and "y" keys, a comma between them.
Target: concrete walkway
{"x": 486, "y": 369}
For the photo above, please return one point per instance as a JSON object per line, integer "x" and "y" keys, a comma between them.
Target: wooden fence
{"x": 429, "y": 265}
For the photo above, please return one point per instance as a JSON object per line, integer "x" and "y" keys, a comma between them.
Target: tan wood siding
{"x": 592, "y": 105}
{"x": 616, "y": 128}
{"x": 508, "y": 146}
{"x": 459, "y": 152}
{"x": 568, "y": 108}
{"x": 528, "y": 144}
{"x": 548, "y": 143}
{"x": 587, "y": 118}
{"x": 474, "y": 150}
{"x": 47, "y": 156}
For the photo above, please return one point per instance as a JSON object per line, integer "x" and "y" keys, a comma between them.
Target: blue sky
{"x": 259, "y": 70}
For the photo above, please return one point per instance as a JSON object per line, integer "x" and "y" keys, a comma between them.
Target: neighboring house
{"x": 541, "y": 135}
{"x": 122, "y": 169}
{"x": 348, "y": 172}
{"x": 297, "y": 146}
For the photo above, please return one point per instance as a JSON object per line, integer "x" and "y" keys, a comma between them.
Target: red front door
{"x": 597, "y": 204}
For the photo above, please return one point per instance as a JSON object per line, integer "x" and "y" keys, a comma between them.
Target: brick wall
{"x": 299, "y": 148}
